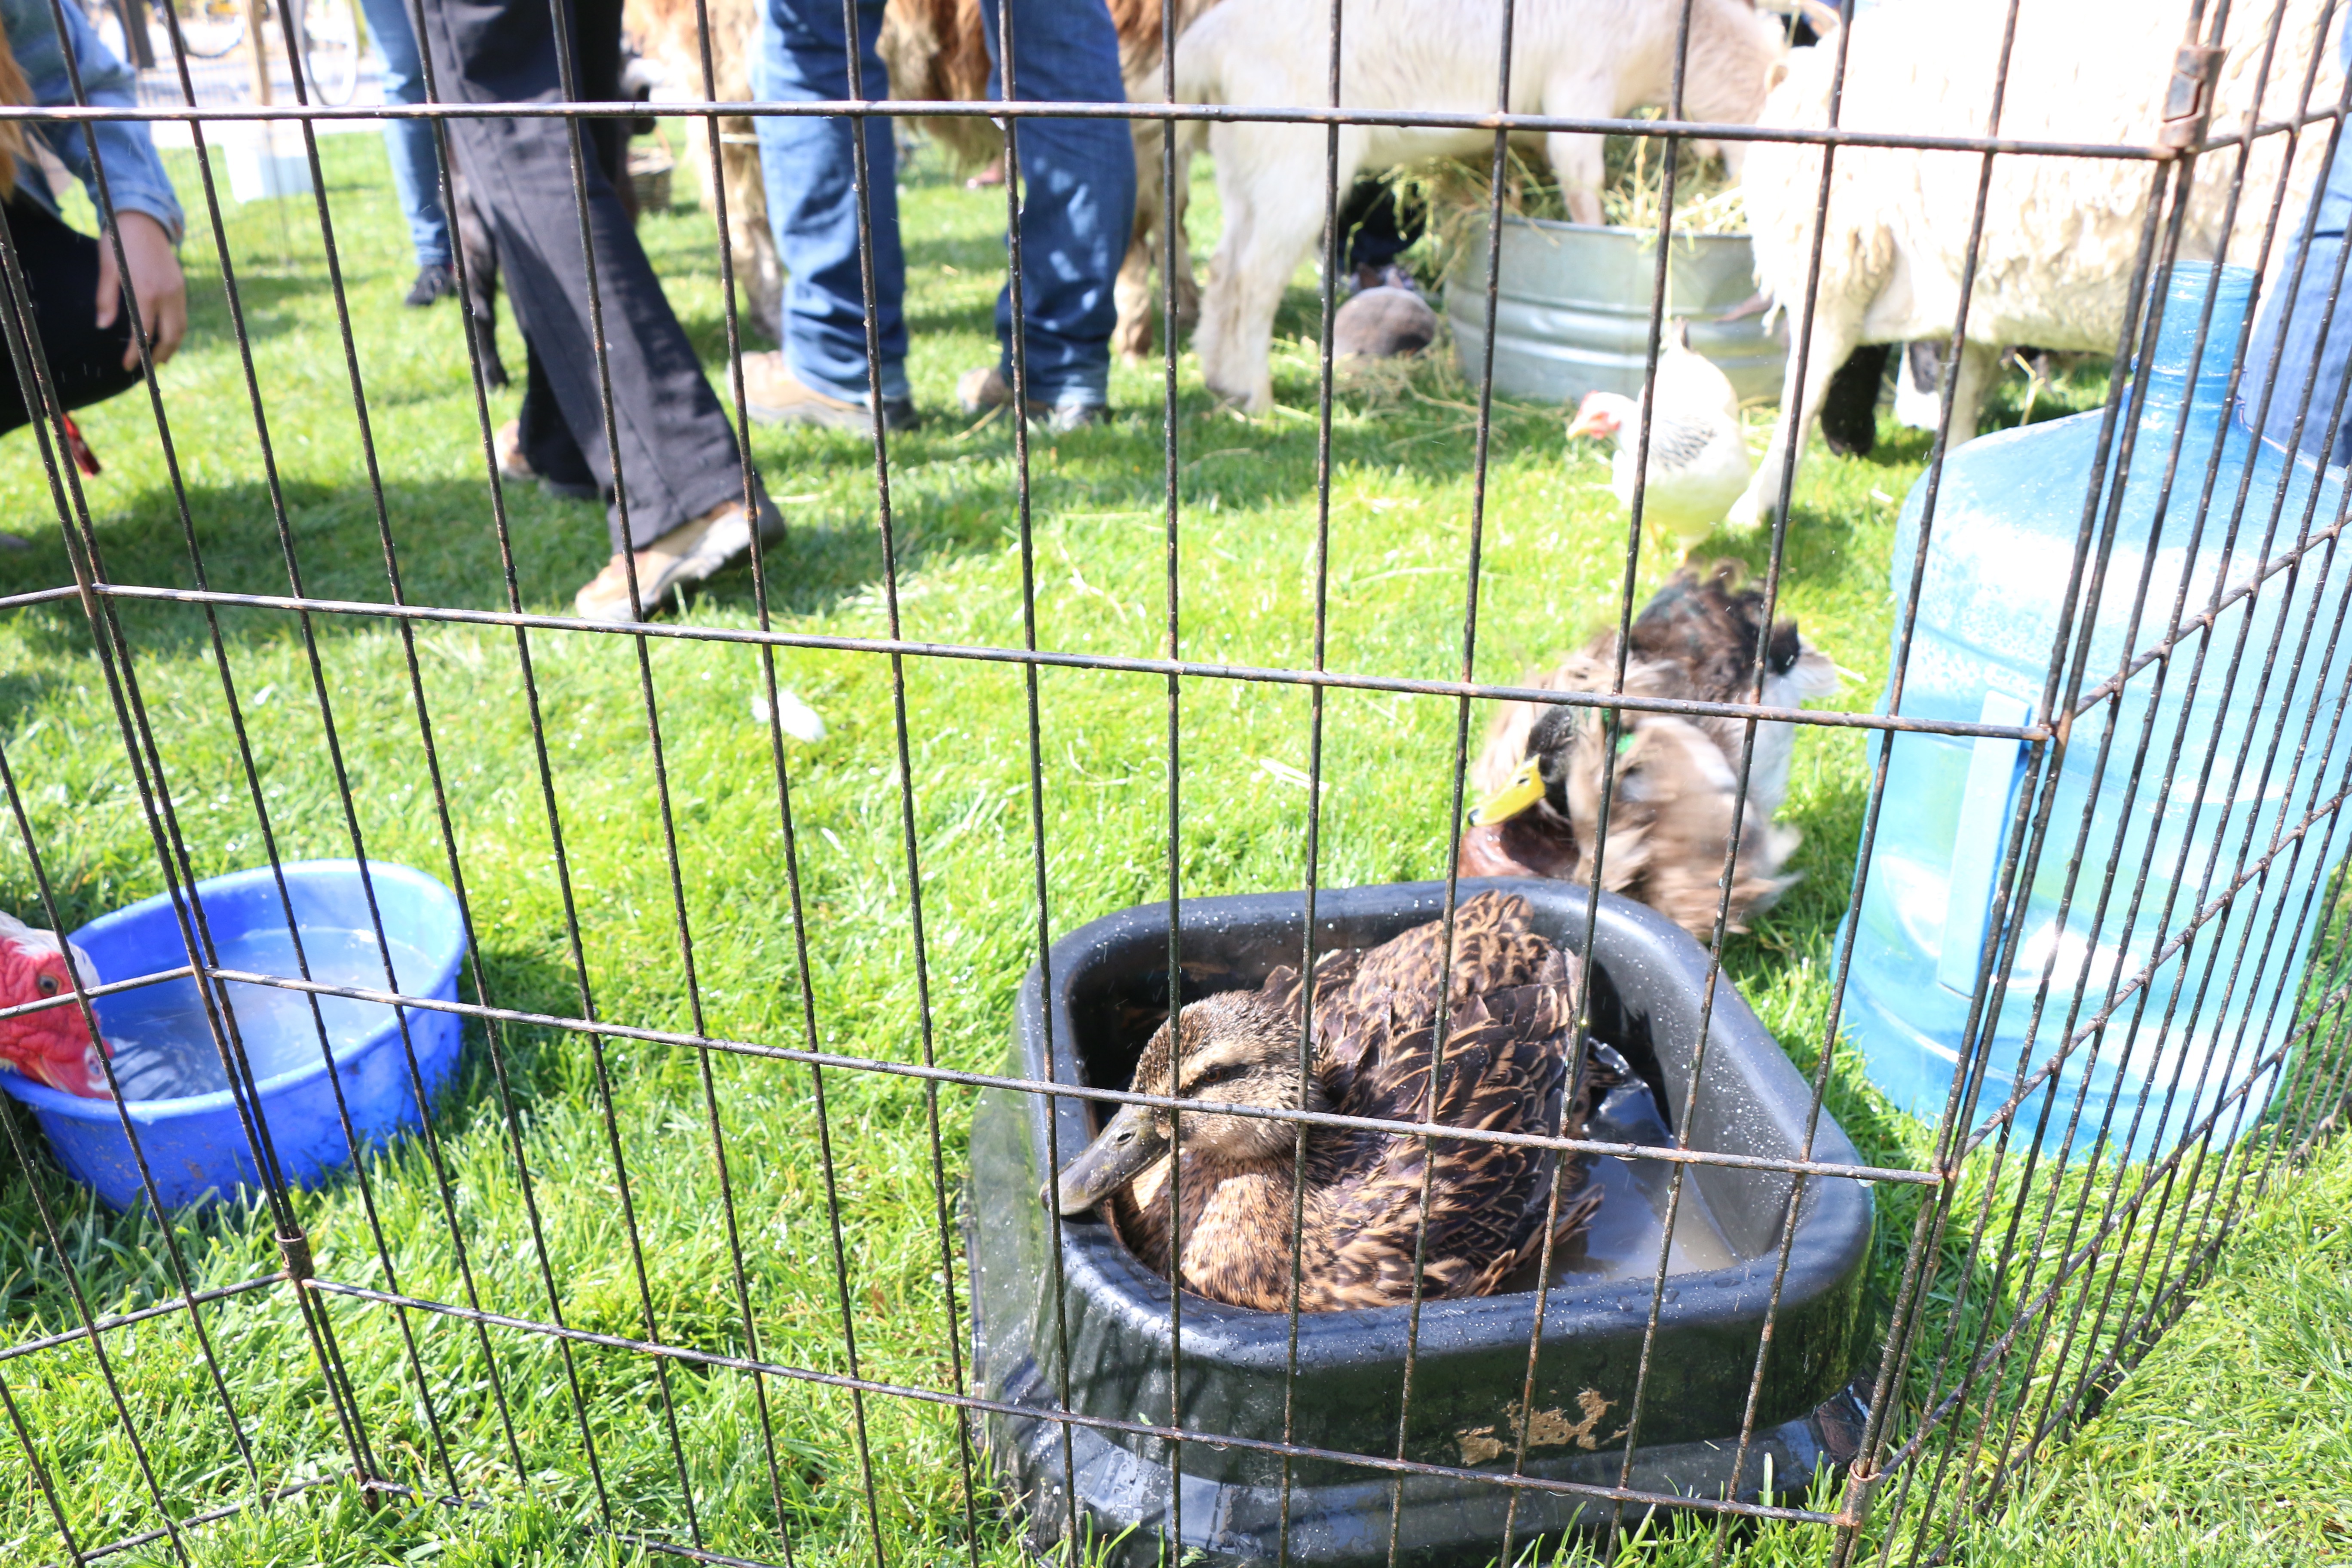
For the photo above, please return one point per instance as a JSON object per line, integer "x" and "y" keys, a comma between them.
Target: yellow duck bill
{"x": 1526, "y": 788}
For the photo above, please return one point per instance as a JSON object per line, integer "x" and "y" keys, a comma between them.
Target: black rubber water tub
{"x": 1110, "y": 991}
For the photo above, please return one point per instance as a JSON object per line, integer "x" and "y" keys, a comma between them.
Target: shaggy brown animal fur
{"x": 934, "y": 51}
{"x": 667, "y": 37}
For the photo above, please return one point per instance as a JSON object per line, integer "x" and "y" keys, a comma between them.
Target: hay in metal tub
{"x": 1574, "y": 305}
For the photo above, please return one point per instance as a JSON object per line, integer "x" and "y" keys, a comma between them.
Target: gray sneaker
{"x": 688, "y": 554}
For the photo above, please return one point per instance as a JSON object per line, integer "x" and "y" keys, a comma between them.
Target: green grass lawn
{"x": 2235, "y": 1432}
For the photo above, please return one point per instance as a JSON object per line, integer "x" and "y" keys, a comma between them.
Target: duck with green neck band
{"x": 1673, "y": 795}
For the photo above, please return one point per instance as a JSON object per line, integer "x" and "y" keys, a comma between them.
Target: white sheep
{"x": 1585, "y": 58}
{"x": 2061, "y": 234}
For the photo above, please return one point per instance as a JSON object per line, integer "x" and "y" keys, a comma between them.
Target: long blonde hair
{"x": 13, "y": 91}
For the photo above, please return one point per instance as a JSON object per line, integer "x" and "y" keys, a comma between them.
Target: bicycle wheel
{"x": 329, "y": 31}
{"x": 210, "y": 28}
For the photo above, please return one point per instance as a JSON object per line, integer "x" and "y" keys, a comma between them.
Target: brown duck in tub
{"x": 1511, "y": 1035}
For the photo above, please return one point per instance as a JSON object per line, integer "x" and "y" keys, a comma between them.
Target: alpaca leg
{"x": 754, "y": 246}
{"x": 1188, "y": 285}
{"x": 1132, "y": 291}
{"x": 1133, "y": 336}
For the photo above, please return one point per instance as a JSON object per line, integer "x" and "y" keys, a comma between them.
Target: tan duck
{"x": 1510, "y": 1030}
{"x": 1676, "y": 781}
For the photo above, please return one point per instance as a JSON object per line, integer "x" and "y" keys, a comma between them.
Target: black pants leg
{"x": 85, "y": 361}
{"x": 546, "y": 441}
{"x": 678, "y": 457}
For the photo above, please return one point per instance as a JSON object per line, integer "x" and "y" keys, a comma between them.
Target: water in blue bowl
{"x": 2191, "y": 1044}
{"x": 163, "y": 1043}
{"x": 198, "y": 1140}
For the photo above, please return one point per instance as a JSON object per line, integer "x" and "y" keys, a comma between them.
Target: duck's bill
{"x": 1526, "y": 788}
{"x": 1117, "y": 1157}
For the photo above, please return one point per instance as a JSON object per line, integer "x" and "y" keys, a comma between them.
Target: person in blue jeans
{"x": 1078, "y": 205}
{"x": 416, "y": 171}
{"x": 2287, "y": 337}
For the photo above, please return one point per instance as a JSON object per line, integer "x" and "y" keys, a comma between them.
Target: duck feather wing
{"x": 1364, "y": 1008}
{"x": 1505, "y": 1068}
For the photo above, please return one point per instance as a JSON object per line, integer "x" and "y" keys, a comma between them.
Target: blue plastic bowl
{"x": 196, "y": 1145}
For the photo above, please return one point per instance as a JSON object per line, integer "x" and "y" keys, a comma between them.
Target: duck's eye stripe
{"x": 1224, "y": 1072}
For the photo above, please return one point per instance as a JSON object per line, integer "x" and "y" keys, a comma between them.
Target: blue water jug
{"x": 2194, "y": 1036}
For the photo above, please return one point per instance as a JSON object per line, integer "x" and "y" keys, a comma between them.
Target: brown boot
{"x": 772, "y": 395}
{"x": 688, "y": 554}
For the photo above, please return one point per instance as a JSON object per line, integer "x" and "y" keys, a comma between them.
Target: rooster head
{"x": 1601, "y": 413}
{"x": 53, "y": 1046}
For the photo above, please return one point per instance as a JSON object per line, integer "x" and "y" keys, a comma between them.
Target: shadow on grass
{"x": 21, "y": 689}
{"x": 274, "y": 297}
{"x": 541, "y": 1063}
{"x": 120, "y": 1260}
{"x": 944, "y": 504}
{"x": 119, "y": 1257}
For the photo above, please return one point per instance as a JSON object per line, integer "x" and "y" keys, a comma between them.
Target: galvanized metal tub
{"x": 1574, "y": 309}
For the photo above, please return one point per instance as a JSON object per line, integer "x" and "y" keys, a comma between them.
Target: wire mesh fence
{"x": 761, "y": 1271}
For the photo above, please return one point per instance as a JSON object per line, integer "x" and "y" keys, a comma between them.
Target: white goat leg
{"x": 1979, "y": 364}
{"x": 1576, "y": 160}
{"x": 1269, "y": 179}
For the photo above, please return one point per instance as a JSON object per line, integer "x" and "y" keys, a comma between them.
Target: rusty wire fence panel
{"x": 2028, "y": 1283}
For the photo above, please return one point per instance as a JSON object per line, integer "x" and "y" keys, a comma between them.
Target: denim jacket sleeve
{"x": 134, "y": 172}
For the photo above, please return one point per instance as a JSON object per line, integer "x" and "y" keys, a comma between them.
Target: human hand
{"x": 156, "y": 283}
